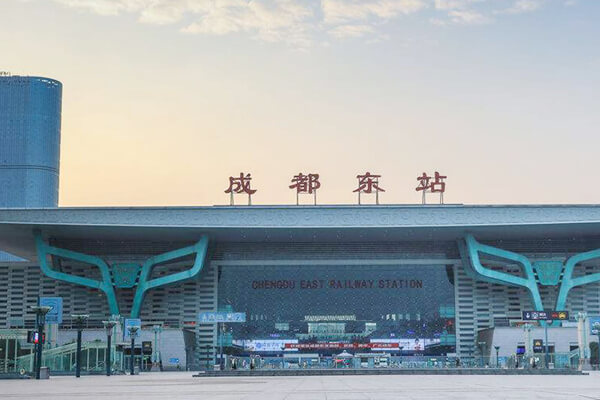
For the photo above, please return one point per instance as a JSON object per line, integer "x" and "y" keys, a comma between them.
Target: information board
{"x": 545, "y": 315}
{"x": 594, "y": 325}
{"x": 215, "y": 317}
{"x": 132, "y": 322}
{"x": 54, "y": 316}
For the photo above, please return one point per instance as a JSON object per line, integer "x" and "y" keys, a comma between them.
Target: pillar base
{"x": 584, "y": 365}
{"x": 155, "y": 367}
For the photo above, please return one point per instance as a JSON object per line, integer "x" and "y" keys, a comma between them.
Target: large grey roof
{"x": 338, "y": 222}
{"x": 307, "y": 216}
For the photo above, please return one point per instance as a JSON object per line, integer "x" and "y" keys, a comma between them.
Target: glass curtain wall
{"x": 397, "y": 309}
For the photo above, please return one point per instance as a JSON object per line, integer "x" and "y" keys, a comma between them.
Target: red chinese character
{"x": 305, "y": 183}
{"x": 367, "y": 183}
{"x": 240, "y": 185}
{"x": 438, "y": 185}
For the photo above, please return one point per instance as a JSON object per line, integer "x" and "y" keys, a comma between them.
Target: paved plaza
{"x": 181, "y": 385}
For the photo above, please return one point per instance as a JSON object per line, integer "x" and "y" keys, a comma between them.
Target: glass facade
{"x": 30, "y": 118}
{"x": 327, "y": 308}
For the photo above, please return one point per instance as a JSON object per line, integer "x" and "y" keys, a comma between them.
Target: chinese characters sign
{"x": 341, "y": 346}
{"x": 307, "y": 184}
{"x": 240, "y": 184}
{"x": 214, "y": 317}
{"x": 368, "y": 183}
{"x": 426, "y": 184}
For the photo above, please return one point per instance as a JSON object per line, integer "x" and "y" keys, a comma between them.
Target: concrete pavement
{"x": 181, "y": 385}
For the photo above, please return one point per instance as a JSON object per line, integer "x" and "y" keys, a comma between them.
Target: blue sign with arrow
{"x": 54, "y": 316}
{"x": 129, "y": 322}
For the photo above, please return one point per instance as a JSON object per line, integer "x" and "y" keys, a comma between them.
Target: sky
{"x": 163, "y": 100}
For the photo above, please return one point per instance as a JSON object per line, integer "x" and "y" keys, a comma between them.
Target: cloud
{"x": 336, "y": 11}
{"x": 460, "y": 12}
{"x": 162, "y": 13}
{"x": 522, "y": 6}
{"x": 299, "y": 23}
{"x": 275, "y": 21}
{"x": 454, "y": 4}
{"x": 268, "y": 20}
{"x": 105, "y": 7}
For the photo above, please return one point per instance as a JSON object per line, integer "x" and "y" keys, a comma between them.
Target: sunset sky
{"x": 163, "y": 100}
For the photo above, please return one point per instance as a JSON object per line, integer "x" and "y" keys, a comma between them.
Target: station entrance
{"x": 336, "y": 316}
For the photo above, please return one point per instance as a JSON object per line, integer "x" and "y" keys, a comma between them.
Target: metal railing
{"x": 63, "y": 358}
{"x": 535, "y": 361}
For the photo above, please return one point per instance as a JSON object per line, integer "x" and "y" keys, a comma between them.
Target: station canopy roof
{"x": 297, "y": 223}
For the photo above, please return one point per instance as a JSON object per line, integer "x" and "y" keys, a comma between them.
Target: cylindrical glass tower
{"x": 30, "y": 116}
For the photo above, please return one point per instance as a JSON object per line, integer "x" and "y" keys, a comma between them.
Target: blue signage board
{"x": 215, "y": 317}
{"x": 594, "y": 325}
{"x": 173, "y": 360}
{"x": 54, "y": 316}
{"x": 545, "y": 315}
{"x": 132, "y": 322}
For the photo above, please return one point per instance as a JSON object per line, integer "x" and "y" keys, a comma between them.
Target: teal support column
{"x": 474, "y": 248}
{"x": 105, "y": 285}
{"x": 549, "y": 271}
{"x": 568, "y": 282}
{"x": 145, "y": 283}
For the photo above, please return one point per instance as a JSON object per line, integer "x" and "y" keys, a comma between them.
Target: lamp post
{"x": 79, "y": 323}
{"x": 40, "y": 319}
{"x": 582, "y": 340}
{"x": 221, "y": 363}
{"x": 108, "y": 325}
{"x": 497, "y": 358}
{"x": 546, "y": 356}
{"x": 596, "y": 329}
{"x": 155, "y": 349}
{"x": 132, "y": 332}
{"x": 400, "y": 354}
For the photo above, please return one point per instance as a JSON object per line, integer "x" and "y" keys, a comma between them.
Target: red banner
{"x": 332, "y": 345}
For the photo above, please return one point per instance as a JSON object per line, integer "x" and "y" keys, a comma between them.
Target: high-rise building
{"x": 30, "y": 118}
